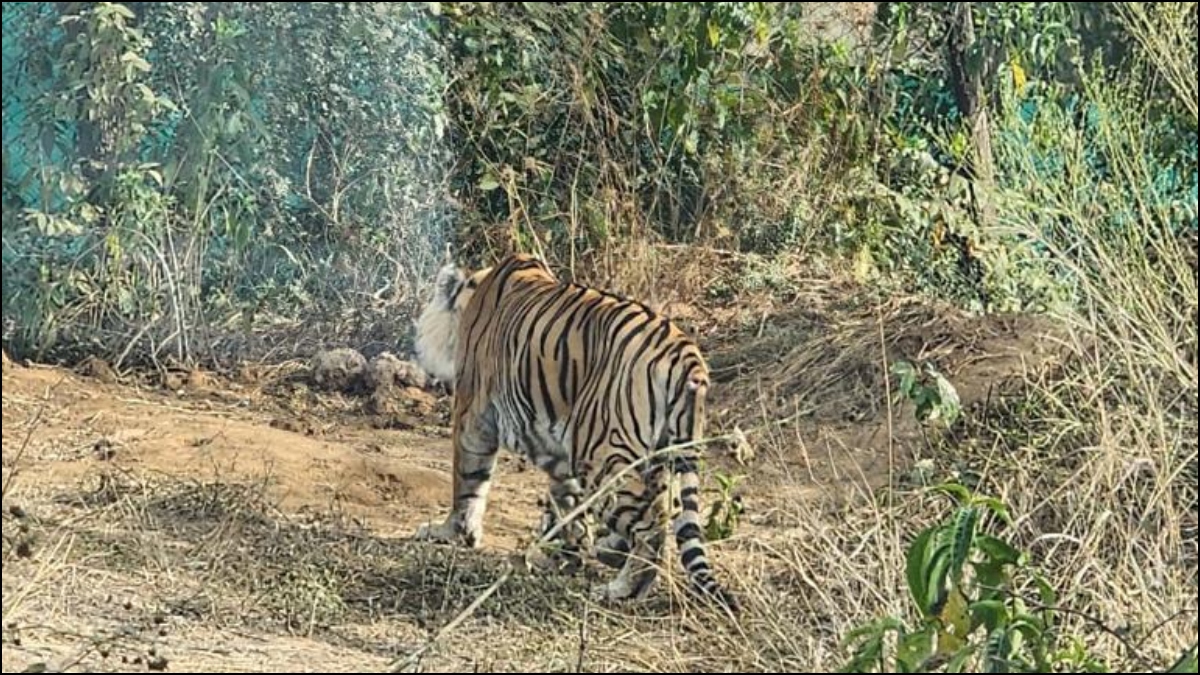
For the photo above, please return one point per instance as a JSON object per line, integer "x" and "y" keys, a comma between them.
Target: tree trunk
{"x": 967, "y": 72}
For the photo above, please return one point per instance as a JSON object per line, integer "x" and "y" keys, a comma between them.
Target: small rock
{"x": 387, "y": 370}
{"x": 740, "y": 446}
{"x": 341, "y": 369}
{"x": 198, "y": 380}
{"x": 99, "y": 369}
{"x": 104, "y": 449}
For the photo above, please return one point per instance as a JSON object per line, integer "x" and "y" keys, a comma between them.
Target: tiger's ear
{"x": 446, "y": 287}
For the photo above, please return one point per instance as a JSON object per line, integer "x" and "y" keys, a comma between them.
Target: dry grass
{"x": 220, "y": 555}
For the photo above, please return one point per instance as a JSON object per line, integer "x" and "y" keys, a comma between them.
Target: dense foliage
{"x": 197, "y": 180}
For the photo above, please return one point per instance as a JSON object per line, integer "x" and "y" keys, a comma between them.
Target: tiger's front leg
{"x": 475, "y": 451}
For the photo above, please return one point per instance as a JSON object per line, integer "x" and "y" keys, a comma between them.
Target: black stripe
{"x": 684, "y": 464}
{"x": 547, "y": 401}
{"x": 691, "y": 555}
{"x": 688, "y": 532}
{"x": 476, "y": 476}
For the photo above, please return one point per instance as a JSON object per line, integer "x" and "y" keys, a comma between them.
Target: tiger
{"x": 582, "y": 382}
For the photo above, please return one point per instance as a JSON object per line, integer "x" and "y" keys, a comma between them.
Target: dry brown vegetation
{"x": 251, "y": 521}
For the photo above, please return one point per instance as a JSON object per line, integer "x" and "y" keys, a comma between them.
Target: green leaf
{"x": 924, "y": 406}
{"x": 1186, "y": 663}
{"x": 869, "y": 651}
{"x": 998, "y": 550}
{"x": 990, "y": 579}
{"x": 949, "y": 407}
{"x": 908, "y": 377}
{"x": 958, "y": 661}
{"x": 124, "y": 11}
{"x": 913, "y": 650}
{"x": 879, "y": 626}
{"x": 955, "y": 623}
{"x": 996, "y": 652}
{"x": 714, "y": 33}
{"x": 1046, "y": 592}
{"x": 959, "y": 493}
{"x": 488, "y": 182}
{"x": 936, "y": 573}
{"x": 991, "y": 614}
{"x": 1028, "y": 625}
{"x": 964, "y": 537}
{"x": 137, "y": 61}
{"x": 995, "y": 506}
{"x": 918, "y": 557}
{"x": 1048, "y": 597}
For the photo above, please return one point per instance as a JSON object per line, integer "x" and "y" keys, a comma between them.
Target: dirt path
{"x": 389, "y": 479}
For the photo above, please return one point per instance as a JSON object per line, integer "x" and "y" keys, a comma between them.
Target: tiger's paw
{"x": 447, "y": 533}
{"x": 603, "y": 593}
{"x": 612, "y": 550}
{"x": 616, "y": 590}
{"x": 560, "y": 560}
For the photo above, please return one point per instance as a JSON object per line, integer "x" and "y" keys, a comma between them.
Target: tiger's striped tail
{"x": 688, "y": 534}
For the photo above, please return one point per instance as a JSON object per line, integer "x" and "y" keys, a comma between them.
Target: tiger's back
{"x": 584, "y": 383}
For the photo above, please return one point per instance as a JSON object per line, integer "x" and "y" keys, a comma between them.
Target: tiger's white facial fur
{"x": 437, "y": 327}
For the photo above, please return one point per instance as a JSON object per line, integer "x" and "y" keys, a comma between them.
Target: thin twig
{"x": 33, "y": 425}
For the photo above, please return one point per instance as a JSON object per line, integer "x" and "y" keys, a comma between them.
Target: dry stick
{"x": 887, "y": 384}
{"x": 33, "y": 425}
{"x": 400, "y": 665}
{"x": 583, "y": 640}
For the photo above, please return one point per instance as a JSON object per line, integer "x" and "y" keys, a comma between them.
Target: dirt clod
{"x": 342, "y": 370}
{"x": 386, "y": 370}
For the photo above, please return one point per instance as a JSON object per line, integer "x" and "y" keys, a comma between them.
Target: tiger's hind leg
{"x": 566, "y": 542}
{"x": 636, "y": 524}
{"x": 609, "y": 546}
{"x": 476, "y": 446}
{"x": 690, "y": 539}
{"x": 565, "y": 495}
{"x": 610, "y": 549}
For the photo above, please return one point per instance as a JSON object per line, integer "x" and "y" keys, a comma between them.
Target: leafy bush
{"x": 981, "y": 607}
{"x": 180, "y": 181}
{"x": 211, "y": 188}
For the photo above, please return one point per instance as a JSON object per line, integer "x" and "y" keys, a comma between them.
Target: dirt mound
{"x": 148, "y": 432}
{"x": 825, "y": 360}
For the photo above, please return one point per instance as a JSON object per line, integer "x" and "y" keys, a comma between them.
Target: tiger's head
{"x": 437, "y": 326}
